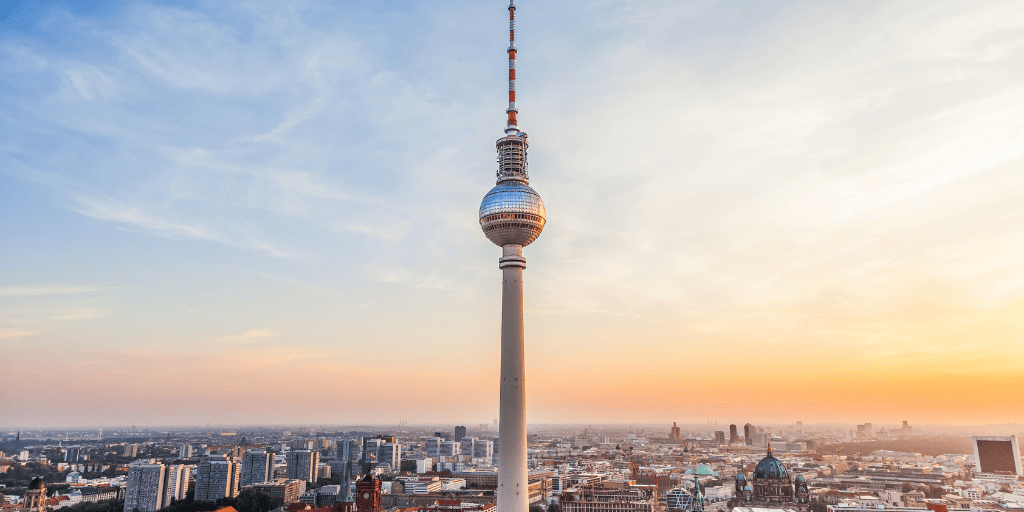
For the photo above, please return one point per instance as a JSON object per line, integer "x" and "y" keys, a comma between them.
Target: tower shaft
{"x": 513, "y": 487}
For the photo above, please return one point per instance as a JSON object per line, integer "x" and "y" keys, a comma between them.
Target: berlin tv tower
{"x": 512, "y": 216}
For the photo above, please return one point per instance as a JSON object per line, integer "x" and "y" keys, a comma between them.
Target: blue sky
{"x": 206, "y": 200}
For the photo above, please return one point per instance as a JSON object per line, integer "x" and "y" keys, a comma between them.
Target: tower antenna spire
{"x": 513, "y": 124}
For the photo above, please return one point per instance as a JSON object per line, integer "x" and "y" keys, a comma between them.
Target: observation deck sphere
{"x": 512, "y": 213}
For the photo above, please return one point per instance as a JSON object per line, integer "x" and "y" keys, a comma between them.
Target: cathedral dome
{"x": 770, "y": 467}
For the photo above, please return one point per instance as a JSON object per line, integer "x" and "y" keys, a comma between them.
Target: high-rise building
{"x": 468, "y": 446}
{"x": 433, "y": 446}
{"x": 748, "y": 433}
{"x": 177, "y": 476}
{"x": 185, "y": 451}
{"x": 460, "y": 432}
{"x": 390, "y": 454}
{"x": 512, "y": 216}
{"x": 734, "y": 436}
{"x": 217, "y": 477}
{"x": 73, "y": 454}
{"x": 144, "y": 487}
{"x": 371, "y": 447}
{"x": 720, "y": 437}
{"x": 256, "y": 467}
{"x": 450, "y": 448}
{"x": 131, "y": 450}
{"x": 675, "y": 433}
{"x": 997, "y": 454}
{"x": 302, "y": 465}
{"x": 483, "y": 449}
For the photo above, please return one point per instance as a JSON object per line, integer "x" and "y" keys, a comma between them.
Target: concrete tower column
{"x": 513, "y": 487}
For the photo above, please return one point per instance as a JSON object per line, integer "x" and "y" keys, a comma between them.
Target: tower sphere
{"x": 512, "y": 213}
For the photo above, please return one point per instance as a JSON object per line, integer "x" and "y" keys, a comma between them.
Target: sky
{"x": 266, "y": 212}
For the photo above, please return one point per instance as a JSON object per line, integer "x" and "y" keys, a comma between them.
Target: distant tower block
{"x": 512, "y": 216}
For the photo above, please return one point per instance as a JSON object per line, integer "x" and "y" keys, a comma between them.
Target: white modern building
{"x": 303, "y": 465}
{"x": 217, "y": 477}
{"x": 144, "y": 488}
{"x": 256, "y": 467}
{"x": 177, "y": 477}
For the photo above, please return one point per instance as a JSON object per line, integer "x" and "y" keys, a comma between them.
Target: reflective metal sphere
{"x": 512, "y": 213}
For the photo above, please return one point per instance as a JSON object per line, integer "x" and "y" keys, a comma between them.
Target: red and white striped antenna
{"x": 513, "y": 124}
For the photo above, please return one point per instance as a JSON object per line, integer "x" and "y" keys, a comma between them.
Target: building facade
{"x": 256, "y": 467}
{"x": 144, "y": 487}
{"x": 303, "y": 465}
{"x": 217, "y": 477}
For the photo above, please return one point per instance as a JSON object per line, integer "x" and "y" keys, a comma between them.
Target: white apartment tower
{"x": 302, "y": 465}
{"x": 256, "y": 467}
{"x": 177, "y": 483}
{"x": 144, "y": 487}
{"x": 217, "y": 477}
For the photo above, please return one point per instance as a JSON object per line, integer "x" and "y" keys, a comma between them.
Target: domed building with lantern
{"x": 771, "y": 484}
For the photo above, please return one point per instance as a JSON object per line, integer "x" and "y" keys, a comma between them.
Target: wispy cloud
{"x": 13, "y": 291}
{"x": 250, "y": 336}
{"x": 84, "y": 314}
{"x": 300, "y": 286}
{"x": 13, "y": 334}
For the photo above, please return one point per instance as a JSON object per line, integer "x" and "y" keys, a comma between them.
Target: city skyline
{"x": 764, "y": 213}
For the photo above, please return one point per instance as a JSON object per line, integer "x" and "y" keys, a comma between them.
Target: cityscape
{"x": 742, "y": 468}
{"x": 243, "y": 261}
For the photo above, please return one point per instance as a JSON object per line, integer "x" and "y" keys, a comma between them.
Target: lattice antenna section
{"x": 512, "y": 158}
{"x": 512, "y": 125}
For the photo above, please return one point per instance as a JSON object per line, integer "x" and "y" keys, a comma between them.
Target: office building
{"x": 131, "y": 450}
{"x": 451, "y": 448}
{"x": 720, "y": 437}
{"x": 303, "y": 465}
{"x": 460, "y": 432}
{"x": 256, "y": 467}
{"x": 217, "y": 477}
{"x": 144, "y": 487}
{"x": 997, "y": 454}
{"x": 468, "y": 446}
{"x": 73, "y": 454}
{"x": 748, "y": 433}
{"x": 734, "y": 436}
{"x": 483, "y": 449}
{"x": 371, "y": 448}
{"x": 390, "y": 454}
{"x": 433, "y": 446}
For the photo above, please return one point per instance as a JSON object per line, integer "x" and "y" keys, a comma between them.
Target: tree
{"x": 554, "y": 507}
{"x": 533, "y": 508}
